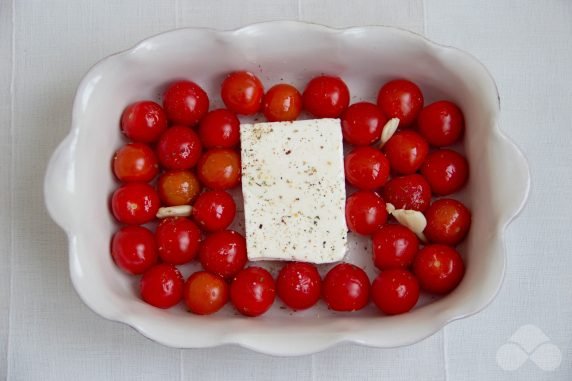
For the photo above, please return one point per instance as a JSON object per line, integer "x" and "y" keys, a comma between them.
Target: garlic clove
{"x": 411, "y": 219}
{"x": 388, "y": 131}
{"x": 175, "y": 211}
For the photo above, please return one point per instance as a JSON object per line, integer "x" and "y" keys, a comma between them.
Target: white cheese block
{"x": 294, "y": 190}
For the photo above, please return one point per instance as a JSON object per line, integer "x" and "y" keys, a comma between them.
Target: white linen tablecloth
{"x": 47, "y": 333}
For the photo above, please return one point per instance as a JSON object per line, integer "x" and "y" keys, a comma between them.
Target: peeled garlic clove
{"x": 412, "y": 219}
{"x": 388, "y": 130}
{"x": 175, "y": 211}
{"x": 389, "y": 207}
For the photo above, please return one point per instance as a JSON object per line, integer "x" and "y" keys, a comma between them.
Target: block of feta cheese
{"x": 294, "y": 190}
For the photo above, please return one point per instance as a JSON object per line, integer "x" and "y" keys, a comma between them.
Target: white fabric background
{"x": 47, "y": 333}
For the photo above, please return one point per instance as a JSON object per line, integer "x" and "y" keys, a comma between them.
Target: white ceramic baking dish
{"x": 79, "y": 180}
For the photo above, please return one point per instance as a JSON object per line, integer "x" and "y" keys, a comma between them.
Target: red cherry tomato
{"x": 366, "y": 168}
{"x": 394, "y": 246}
{"x": 143, "y": 121}
{"x": 135, "y": 203}
{"x": 448, "y": 222}
{"x": 162, "y": 286}
{"x": 408, "y": 192}
{"x": 214, "y": 210}
{"x": 219, "y": 129}
{"x": 346, "y": 288}
{"x": 362, "y": 123}
{"x": 178, "y": 187}
{"x": 438, "y": 268}
{"x": 185, "y": 103}
{"x": 446, "y": 171}
{"x": 179, "y": 148}
{"x": 401, "y": 99}
{"x": 441, "y": 123}
{"x": 242, "y": 93}
{"x": 395, "y": 291}
{"x": 219, "y": 168}
{"x": 299, "y": 285}
{"x": 406, "y": 151}
{"x": 178, "y": 240}
{"x": 133, "y": 249}
{"x": 252, "y": 291}
{"x": 205, "y": 293}
{"x": 135, "y": 162}
{"x": 326, "y": 97}
{"x": 365, "y": 212}
{"x": 282, "y": 103}
{"x": 223, "y": 253}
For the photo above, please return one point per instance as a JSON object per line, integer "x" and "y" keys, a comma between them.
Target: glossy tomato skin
{"x": 185, "y": 103}
{"x": 346, "y": 288}
{"x": 362, "y": 123}
{"x": 219, "y": 129}
{"x": 438, "y": 268}
{"x": 219, "y": 169}
{"x": 162, "y": 286}
{"x": 394, "y": 246}
{"x": 365, "y": 212}
{"x": 205, "y": 293}
{"x": 408, "y": 192}
{"x": 143, "y": 122}
{"x": 242, "y": 93}
{"x": 253, "y": 291}
{"x": 442, "y": 123}
{"x": 401, "y": 99}
{"x": 135, "y": 162}
{"x": 178, "y": 240}
{"x": 223, "y": 253}
{"x": 135, "y": 203}
{"x": 446, "y": 171}
{"x": 178, "y": 187}
{"x": 299, "y": 285}
{"x": 133, "y": 249}
{"x": 179, "y": 148}
{"x": 406, "y": 152}
{"x": 448, "y": 222}
{"x": 366, "y": 168}
{"x": 282, "y": 103}
{"x": 326, "y": 97}
{"x": 395, "y": 291}
{"x": 214, "y": 210}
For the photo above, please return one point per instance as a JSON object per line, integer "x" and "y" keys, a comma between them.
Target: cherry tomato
{"x": 135, "y": 203}
{"x": 242, "y": 92}
{"x": 366, "y": 168}
{"x": 252, "y": 291}
{"x": 438, "y": 268}
{"x": 326, "y": 97}
{"x": 223, "y": 253}
{"x": 179, "y": 148}
{"x": 178, "y": 187}
{"x": 205, "y": 293}
{"x": 178, "y": 240}
{"x": 362, "y": 123}
{"x": 135, "y": 162}
{"x": 394, "y": 246}
{"x": 219, "y": 129}
{"x": 143, "y": 121}
{"x": 441, "y": 123}
{"x": 448, "y": 222}
{"x": 446, "y": 171}
{"x": 133, "y": 249}
{"x": 219, "y": 168}
{"x": 401, "y": 99}
{"x": 365, "y": 212}
{"x": 299, "y": 285}
{"x": 162, "y": 286}
{"x": 282, "y": 103}
{"x": 214, "y": 210}
{"x": 185, "y": 103}
{"x": 346, "y": 288}
{"x": 408, "y": 192}
{"x": 406, "y": 151}
{"x": 395, "y": 291}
